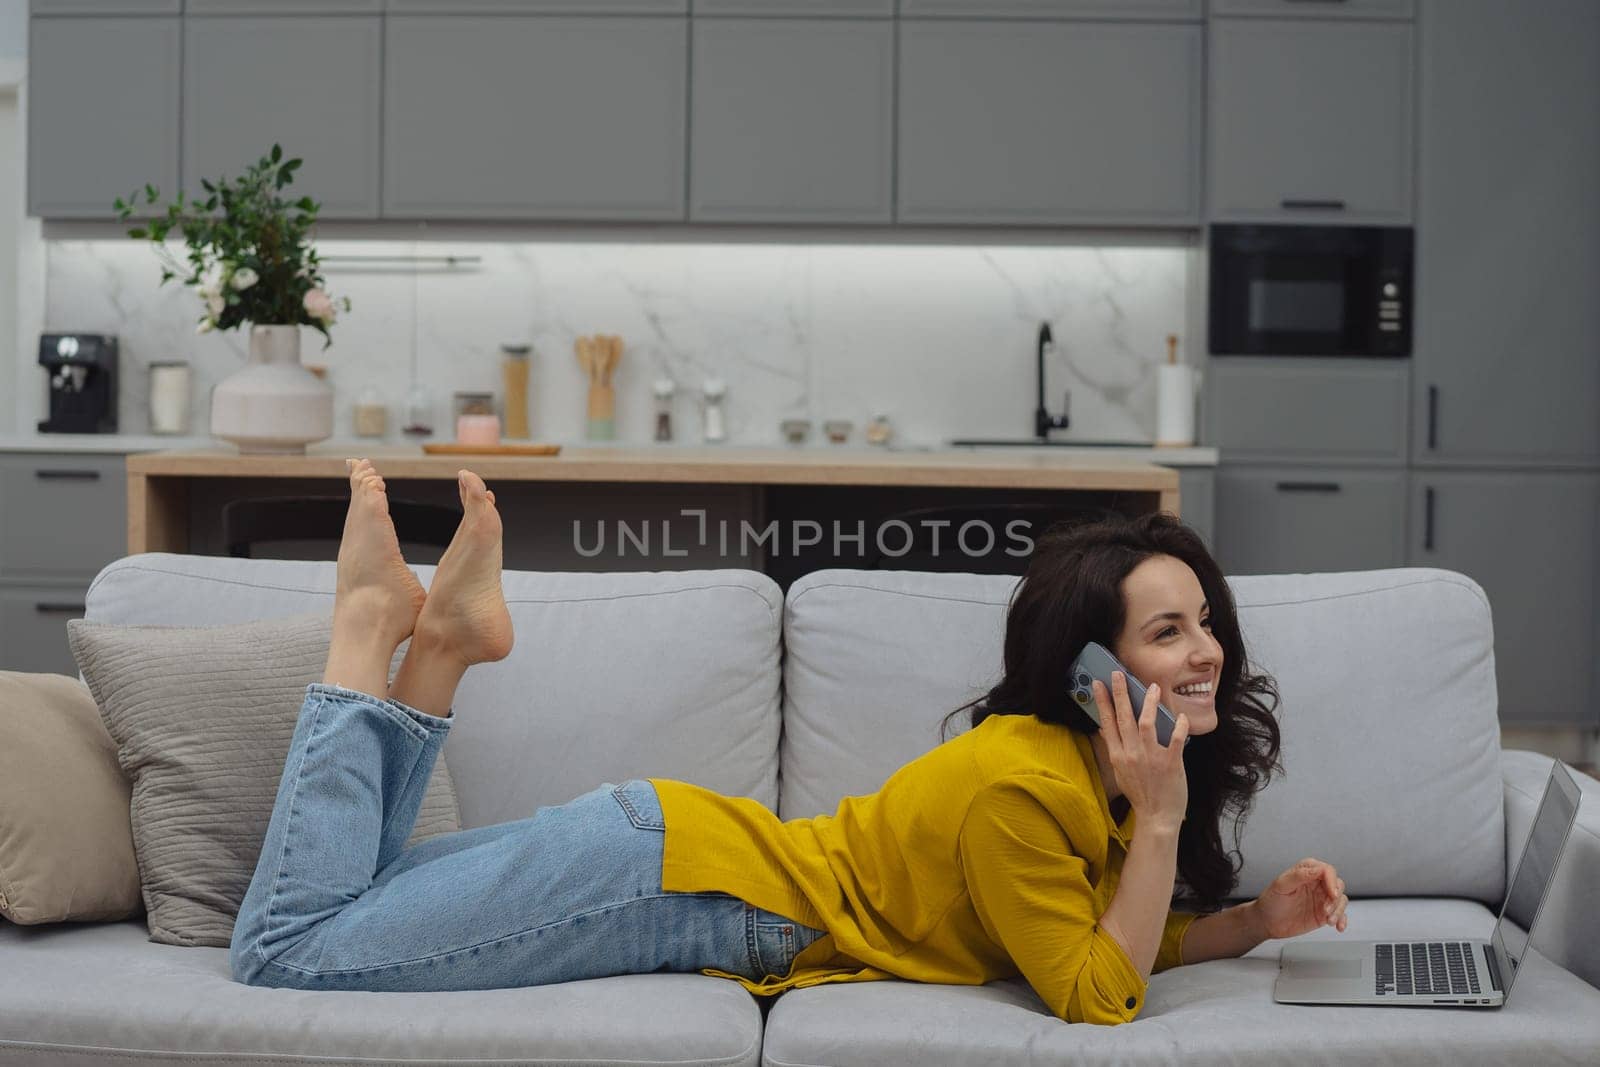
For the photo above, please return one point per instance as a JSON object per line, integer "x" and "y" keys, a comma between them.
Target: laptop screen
{"x": 1534, "y": 872}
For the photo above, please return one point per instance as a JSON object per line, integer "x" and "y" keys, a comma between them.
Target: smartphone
{"x": 1097, "y": 662}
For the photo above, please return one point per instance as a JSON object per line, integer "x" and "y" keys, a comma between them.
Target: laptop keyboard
{"x": 1410, "y": 967}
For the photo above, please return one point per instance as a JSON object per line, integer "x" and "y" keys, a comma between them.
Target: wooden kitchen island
{"x": 174, "y": 498}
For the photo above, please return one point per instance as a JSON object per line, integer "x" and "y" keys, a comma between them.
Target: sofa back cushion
{"x": 1391, "y": 742}
{"x": 613, "y": 676}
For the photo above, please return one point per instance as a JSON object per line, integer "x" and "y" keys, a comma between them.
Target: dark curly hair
{"x": 1071, "y": 594}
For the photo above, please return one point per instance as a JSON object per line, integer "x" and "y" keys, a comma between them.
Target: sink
{"x": 1034, "y": 442}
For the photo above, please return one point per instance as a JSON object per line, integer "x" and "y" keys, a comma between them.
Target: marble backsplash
{"x": 938, "y": 337}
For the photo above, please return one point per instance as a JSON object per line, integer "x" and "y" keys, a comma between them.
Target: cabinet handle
{"x": 1308, "y": 487}
{"x": 1433, "y": 416}
{"x": 1316, "y": 1}
{"x": 45, "y": 606}
{"x": 66, "y": 475}
{"x": 1427, "y": 519}
{"x": 1313, "y": 205}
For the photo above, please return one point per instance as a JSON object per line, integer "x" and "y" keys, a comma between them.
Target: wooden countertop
{"x": 705, "y": 464}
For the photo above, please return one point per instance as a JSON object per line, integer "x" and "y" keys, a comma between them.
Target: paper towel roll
{"x": 1174, "y": 404}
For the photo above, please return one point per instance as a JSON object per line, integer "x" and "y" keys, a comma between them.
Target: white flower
{"x": 244, "y": 278}
{"x": 206, "y": 326}
{"x": 215, "y": 304}
{"x": 211, "y": 279}
{"x": 319, "y": 305}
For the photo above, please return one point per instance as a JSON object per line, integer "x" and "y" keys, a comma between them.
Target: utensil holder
{"x": 602, "y": 413}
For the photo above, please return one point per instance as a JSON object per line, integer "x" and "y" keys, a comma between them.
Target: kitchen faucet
{"x": 1043, "y": 421}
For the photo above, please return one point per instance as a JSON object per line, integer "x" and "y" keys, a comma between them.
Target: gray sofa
{"x": 1394, "y": 773}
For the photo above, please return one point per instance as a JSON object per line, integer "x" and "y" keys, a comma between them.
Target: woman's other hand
{"x": 1308, "y": 895}
{"x": 1150, "y": 774}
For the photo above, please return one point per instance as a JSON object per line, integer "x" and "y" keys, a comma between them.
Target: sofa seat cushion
{"x": 76, "y": 993}
{"x": 1220, "y": 1011}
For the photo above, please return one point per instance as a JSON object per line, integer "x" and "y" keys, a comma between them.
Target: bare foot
{"x": 374, "y": 585}
{"x": 465, "y": 613}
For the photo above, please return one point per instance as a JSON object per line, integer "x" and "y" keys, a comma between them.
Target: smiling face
{"x": 1166, "y": 639}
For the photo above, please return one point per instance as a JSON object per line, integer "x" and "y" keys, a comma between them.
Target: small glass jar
{"x": 476, "y": 420}
{"x": 371, "y": 413}
{"x": 419, "y": 412}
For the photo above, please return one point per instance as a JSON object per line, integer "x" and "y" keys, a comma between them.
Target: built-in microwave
{"x": 1310, "y": 290}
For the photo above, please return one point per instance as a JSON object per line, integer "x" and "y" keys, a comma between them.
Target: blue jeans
{"x": 338, "y": 902}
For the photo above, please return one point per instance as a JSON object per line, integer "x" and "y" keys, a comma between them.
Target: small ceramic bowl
{"x": 795, "y": 431}
{"x": 838, "y": 430}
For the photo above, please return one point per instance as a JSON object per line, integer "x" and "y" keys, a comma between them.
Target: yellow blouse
{"x": 989, "y": 857}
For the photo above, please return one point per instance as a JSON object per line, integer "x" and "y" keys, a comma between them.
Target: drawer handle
{"x": 48, "y": 606}
{"x": 1433, "y": 416}
{"x": 1313, "y": 205}
{"x": 67, "y": 475}
{"x": 1427, "y": 519}
{"x": 1308, "y": 487}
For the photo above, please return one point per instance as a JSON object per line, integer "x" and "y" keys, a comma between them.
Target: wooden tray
{"x": 453, "y": 449}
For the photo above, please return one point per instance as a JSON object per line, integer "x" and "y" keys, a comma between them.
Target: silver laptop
{"x": 1427, "y": 972}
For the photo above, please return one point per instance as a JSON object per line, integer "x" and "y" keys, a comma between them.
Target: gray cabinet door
{"x": 1310, "y": 121}
{"x": 811, "y": 8}
{"x": 283, "y": 7}
{"x": 547, "y": 7}
{"x": 105, "y": 7}
{"x": 1508, "y": 235}
{"x": 33, "y": 627}
{"x": 323, "y": 107}
{"x": 1284, "y": 520}
{"x": 1109, "y": 9}
{"x": 1323, "y": 410}
{"x": 1529, "y": 538}
{"x": 1049, "y": 123}
{"x": 771, "y": 141}
{"x": 102, "y": 112}
{"x": 1197, "y": 499}
{"x": 1333, "y": 9}
{"x": 62, "y": 517}
{"x": 523, "y": 117}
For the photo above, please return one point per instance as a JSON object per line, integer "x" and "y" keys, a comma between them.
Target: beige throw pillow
{"x": 66, "y": 849}
{"x": 202, "y": 717}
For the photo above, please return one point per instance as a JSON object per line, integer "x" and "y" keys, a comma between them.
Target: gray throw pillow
{"x": 202, "y": 718}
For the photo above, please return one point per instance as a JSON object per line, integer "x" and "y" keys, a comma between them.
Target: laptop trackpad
{"x": 1325, "y": 969}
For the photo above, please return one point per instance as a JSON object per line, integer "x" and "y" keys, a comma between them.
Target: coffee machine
{"x": 83, "y": 382}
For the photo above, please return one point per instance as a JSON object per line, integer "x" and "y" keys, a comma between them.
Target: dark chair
{"x": 247, "y": 523}
{"x": 951, "y": 556}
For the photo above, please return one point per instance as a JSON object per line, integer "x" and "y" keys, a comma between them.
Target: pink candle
{"x": 478, "y": 429}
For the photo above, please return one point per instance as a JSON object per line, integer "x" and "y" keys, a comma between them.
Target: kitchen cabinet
{"x": 809, "y": 8}
{"x": 1033, "y": 9}
{"x": 62, "y": 518}
{"x": 284, "y": 7}
{"x": 1310, "y": 121}
{"x": 1508, "y": 236}
{"x": 324, "y": 109}
{"x": 1307, "y": 409}
{"x": 1197, "y": 490}
{"x": 530, "y": 7}
{"x": 1049, "y": 123}
{"x": 106, "y": 7}
{"x": 1283, "y": 519}
{"x": 1527, "y": 537}
{"x": 529, "y": 117}
{"x": 1346, "y": 9}
{"x": 772, "y": 142}
{"x": 102, "y": 112}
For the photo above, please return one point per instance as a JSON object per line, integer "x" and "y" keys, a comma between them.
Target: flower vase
{"x": 273, "y": 405}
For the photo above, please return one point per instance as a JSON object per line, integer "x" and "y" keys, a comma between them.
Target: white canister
{"x": 169, "y": 398}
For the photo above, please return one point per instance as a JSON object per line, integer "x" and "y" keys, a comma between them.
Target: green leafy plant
{"x": 250, "y": 254}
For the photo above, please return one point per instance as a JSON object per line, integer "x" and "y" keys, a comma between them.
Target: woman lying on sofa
{"x": 1037, "y": 843}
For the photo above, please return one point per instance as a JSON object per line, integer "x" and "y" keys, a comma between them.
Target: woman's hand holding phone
{"x": 1149, "y": 773}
